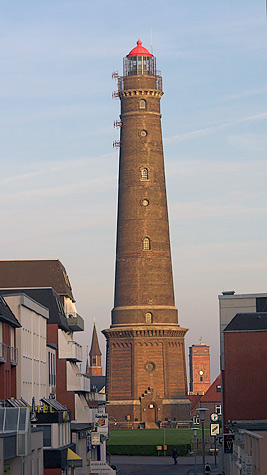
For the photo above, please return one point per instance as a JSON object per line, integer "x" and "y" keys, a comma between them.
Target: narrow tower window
{"x": 146, "y": 244}
{"x": 148, "y": 317}
{"x": 144, "y": 174}
{"x": 142, "y": 104}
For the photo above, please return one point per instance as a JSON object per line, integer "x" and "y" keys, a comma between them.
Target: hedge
{"x": 182, "y": 449}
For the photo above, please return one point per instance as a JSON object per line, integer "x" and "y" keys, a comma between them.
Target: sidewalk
{"x": 158, "y": 461}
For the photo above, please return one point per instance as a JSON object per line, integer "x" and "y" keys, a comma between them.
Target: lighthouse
{"x": 146, "y": 373}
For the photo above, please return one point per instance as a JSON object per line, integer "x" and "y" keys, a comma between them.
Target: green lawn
{"x": 152, "y": 436}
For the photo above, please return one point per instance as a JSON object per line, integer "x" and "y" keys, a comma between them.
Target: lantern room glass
{"x": 139, "y": 65}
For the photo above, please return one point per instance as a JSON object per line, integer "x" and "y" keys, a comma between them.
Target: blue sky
{"x": 58, "y": 183}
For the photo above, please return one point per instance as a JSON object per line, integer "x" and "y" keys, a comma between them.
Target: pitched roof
{"x": 194, "y": 399}
{"x": 95, "y": 350}
{"x": 256, "y": 321}
{"x": 212, "y": 394}
{"x": 6, "y": 314}
{"x": 35, "y": 273}
{"x": 97, "y": 382}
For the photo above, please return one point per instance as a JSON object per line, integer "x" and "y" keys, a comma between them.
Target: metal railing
{"x": 3, "y": 352}
{"x": 13, "y": 355}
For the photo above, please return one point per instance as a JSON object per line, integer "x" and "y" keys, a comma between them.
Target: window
{"x": 143, "y": 133}
{"x": 145, "y": 202}
{"x": 201, "y": 378}
{"x": 144, "y": 174}
{"x": 47, "y": 434}
{"x": 142, "y": 104}
{"x": 146, "y": 244}
{"x": 219, "y": 388}
{"x": 12, "y": 337}
{"x": 148, "y": 317}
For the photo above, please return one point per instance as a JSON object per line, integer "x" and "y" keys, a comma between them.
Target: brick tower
{"x": 94, "y": 365}
{"x": 146, "y": 375}
{"x": 199, "y": 367}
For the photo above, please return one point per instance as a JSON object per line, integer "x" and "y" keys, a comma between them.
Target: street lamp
{"x": 164, "y": 423}
{"x": 195, "y": 429}
{"x": 202, "y": 415}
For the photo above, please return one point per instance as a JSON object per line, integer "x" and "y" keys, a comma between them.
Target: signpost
{"x": 214, "y": 432}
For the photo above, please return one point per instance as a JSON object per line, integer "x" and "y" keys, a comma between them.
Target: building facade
{"x": 146, "y": 375}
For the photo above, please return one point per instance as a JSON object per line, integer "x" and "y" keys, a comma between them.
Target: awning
{"x": 74, "y": 460}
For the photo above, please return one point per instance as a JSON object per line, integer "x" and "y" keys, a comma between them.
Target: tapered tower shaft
{"x": 143, "y": 282}
{"x": 146, "y": 377}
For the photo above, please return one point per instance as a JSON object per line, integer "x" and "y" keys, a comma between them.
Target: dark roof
{"x": 97, "y": 382}
{"x": 6, "y": 314}
{"x": 95, "y": 350}
{"x": 54, "y": 404}
{"x": 248, "y": 322}
{"x": 49, "y": 299}
{"x": 35, "y": 273}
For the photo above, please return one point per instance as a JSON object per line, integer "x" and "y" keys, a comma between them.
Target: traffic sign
{"x": 219, "y": 439}
{"x": 214, "y": 429}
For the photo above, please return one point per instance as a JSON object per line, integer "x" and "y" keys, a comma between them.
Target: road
{"x": 159, "y": 465}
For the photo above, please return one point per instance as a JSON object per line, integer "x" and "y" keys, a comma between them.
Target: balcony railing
{"x": 75, "y": 351}
{"x": 13, "y": 356}
{"x": 3, "y": 352}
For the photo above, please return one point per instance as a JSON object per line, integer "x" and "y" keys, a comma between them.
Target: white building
{"x": 31, "y": 371}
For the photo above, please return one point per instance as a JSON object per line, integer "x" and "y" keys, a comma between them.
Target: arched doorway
{"x": 151, "y": 412}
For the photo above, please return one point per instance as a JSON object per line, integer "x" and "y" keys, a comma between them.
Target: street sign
{"x": 101, "y": 423}
{"x": 219, "y": 439}
{"x": 95, "y": 438}
{"x": 214, "y": 429}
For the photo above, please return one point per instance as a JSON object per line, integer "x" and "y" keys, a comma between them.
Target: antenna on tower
{"x": 152, "y": 42}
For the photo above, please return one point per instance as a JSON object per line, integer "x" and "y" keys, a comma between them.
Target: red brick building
{"x": 211, "y": 400}
{"x": 8, "y": 351}
{"x": 244, "y": 375}
{"x": 146, "y": 374}
{"x": 199, "y": 367}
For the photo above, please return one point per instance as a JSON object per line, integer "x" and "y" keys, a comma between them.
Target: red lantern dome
{"x": 139, "y": 50}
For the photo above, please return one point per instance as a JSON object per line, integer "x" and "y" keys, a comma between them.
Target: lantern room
{"x": 139, "y": 62}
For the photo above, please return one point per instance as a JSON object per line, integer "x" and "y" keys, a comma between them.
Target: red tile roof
{"x": 212, "y": 394}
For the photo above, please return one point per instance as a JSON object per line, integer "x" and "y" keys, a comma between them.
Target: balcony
{"x": 98, "y": 397}
{"x": 83, "y": 382}
{"x": 75, "y": 351}
{"x": 67, "y": 348}
{"x": 76, "y": 381}
{"x": 3, "y": 353}
{"x": 75, "y": 322}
